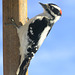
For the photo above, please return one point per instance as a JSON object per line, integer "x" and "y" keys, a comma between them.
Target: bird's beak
{"x": 43, "y": 5}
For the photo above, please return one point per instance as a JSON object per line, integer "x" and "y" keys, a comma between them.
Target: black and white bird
{"x": 34, "y": 32}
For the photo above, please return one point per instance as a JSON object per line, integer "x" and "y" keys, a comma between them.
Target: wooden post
{"x": 16, "y": 9}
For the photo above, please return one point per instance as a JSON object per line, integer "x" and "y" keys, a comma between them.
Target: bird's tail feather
{"x": 24, "y": 67}
{"x": 23, "y": 72}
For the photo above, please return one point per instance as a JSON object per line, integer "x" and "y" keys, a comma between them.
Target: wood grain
{"x": 12, "y": 9}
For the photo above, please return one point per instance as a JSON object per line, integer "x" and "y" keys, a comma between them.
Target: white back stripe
{"x": 43, "y": 35}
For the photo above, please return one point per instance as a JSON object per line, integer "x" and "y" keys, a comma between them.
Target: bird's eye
{"x": 52, "y": 8}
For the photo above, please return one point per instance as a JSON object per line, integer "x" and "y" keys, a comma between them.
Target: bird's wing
{"x": 36, "y": 28}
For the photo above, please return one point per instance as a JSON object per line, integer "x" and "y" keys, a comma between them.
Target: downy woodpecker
{"x": 34, "y": 32}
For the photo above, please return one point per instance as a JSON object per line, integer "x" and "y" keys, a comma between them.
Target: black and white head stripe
{"x": 52, "y": 9}
{"x": 55, "y": 9}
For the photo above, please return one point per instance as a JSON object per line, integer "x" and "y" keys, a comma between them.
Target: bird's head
{"x": 52, "y": 9}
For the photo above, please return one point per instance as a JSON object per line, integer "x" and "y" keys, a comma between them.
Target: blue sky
{"x": 57, "y": 54}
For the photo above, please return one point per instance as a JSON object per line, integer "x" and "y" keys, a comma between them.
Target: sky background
{"x": 56, "y": 56}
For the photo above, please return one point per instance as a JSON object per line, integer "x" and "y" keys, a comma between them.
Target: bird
{"x": 34, "y": 32}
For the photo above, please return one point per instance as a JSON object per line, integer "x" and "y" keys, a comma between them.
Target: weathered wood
{"x": 12, "y": 9}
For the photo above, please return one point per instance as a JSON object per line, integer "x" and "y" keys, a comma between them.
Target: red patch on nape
{"x": 60, "y": 11}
